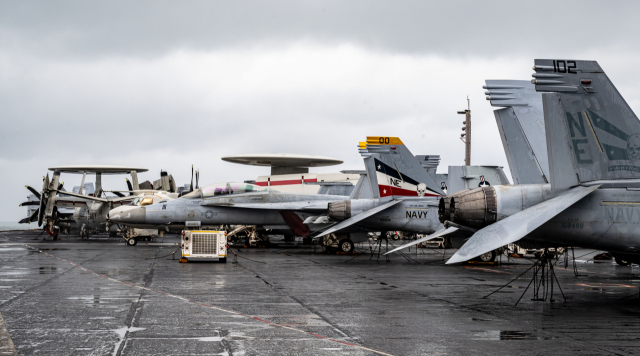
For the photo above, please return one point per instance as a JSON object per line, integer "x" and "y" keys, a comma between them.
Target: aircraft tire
{"x": 132, "y": 241}
{"x": 345, "y": 246}
{"x": 223, "y": 260}
{"x": 621, "y": 262}
{"x": 487, "y": 257}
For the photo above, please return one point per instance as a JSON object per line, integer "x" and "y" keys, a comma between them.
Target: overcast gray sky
{"x": 164, "y": 85}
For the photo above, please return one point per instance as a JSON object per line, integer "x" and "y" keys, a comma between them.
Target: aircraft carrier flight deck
{"x": 100, "y": 297}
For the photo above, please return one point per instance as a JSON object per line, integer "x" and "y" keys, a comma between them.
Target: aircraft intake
{"x": 475, "y": 208}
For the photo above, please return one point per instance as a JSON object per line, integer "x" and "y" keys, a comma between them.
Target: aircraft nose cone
{"x": 128, "y": 214}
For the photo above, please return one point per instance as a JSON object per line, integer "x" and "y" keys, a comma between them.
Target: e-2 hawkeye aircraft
{"x": 90, "y": 212}
{"x": 593, "y": 196}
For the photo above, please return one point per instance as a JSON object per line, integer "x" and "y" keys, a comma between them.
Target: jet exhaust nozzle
{"x": 475, "y": 208}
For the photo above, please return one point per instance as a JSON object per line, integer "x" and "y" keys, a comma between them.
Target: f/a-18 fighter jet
{"x": 593, "y": 196}
{"x": 228, "y": 204}
{"x": 90, "y": 212}
{"x": 401, "y": 194}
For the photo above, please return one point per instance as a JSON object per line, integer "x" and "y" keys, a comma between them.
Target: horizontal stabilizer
{"x": 426, "y": 238}
{"x": 518, "y": 225}
{"x": 354, "y": 219}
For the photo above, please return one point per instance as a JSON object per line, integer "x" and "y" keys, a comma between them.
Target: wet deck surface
{"x": 103, "y": 298}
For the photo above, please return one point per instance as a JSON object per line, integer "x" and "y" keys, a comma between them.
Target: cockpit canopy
{"x": 219, "y": 189}
{"x": 142, "y": 201}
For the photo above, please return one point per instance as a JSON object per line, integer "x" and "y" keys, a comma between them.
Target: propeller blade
{"x": 130, "y": 187}
{"x": 197, "y": 178}
{"x": 34, "y": 216}
{"x": 31, "y": 218}
{"x": 29, "y": 203}
{"x": 33, "y": 191}
{"x": 40, "y": 211}
{"x": 60, "y": 186}
{"x": 45, "y": 182}
{"x": 118, "y": 194}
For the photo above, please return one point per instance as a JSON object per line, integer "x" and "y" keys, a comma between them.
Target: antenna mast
{"x": 466, "y": 135}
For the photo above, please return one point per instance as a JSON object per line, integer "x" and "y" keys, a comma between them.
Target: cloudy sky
{"x": 164, "y": 85}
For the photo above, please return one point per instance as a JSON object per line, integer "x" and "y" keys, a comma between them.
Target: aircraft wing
{"x": 426, "y": 238}
{"x": 354, "y": 219}
{"x": 518, "y": 225}
{"x": 294, "y": 205}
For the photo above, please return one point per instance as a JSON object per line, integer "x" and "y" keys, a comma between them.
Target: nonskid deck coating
{"x": 85, "y": 298}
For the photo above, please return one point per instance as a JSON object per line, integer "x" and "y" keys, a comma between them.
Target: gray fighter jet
{"x": 228, "y": 204}
{"x": 593, "y": 196}
{"x": 402, "y": 195}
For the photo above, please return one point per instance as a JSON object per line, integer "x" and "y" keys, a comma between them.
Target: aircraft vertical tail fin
{"x": 173, "y": 188}
{"x": 521, "y": 126}
{"x": 394, "y": 171}
{"x": 362, "y": 189}
{"x": 592, "y": 133}
{"x": 134, "y": 180}
{"x": 165, "y": 181}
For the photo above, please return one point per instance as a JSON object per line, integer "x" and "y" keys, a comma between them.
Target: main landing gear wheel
{"x": 622, "y": 262}
{"x": 487, "y": 257}
{"x": 346, "y": 246}
{"x": 132, "y": 241}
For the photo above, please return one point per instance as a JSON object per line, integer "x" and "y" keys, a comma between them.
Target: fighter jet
{"x": 403, "y": 196}
{"x": 228, "y": 204}
{"x": 593, "y": 196}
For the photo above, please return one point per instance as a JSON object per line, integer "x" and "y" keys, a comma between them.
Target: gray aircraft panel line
{"x": 591, "y": 140}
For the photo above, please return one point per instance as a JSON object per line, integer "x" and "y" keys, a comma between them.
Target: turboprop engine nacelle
{"x": 342, "y": 210}
{"x": 477, "y": 208}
